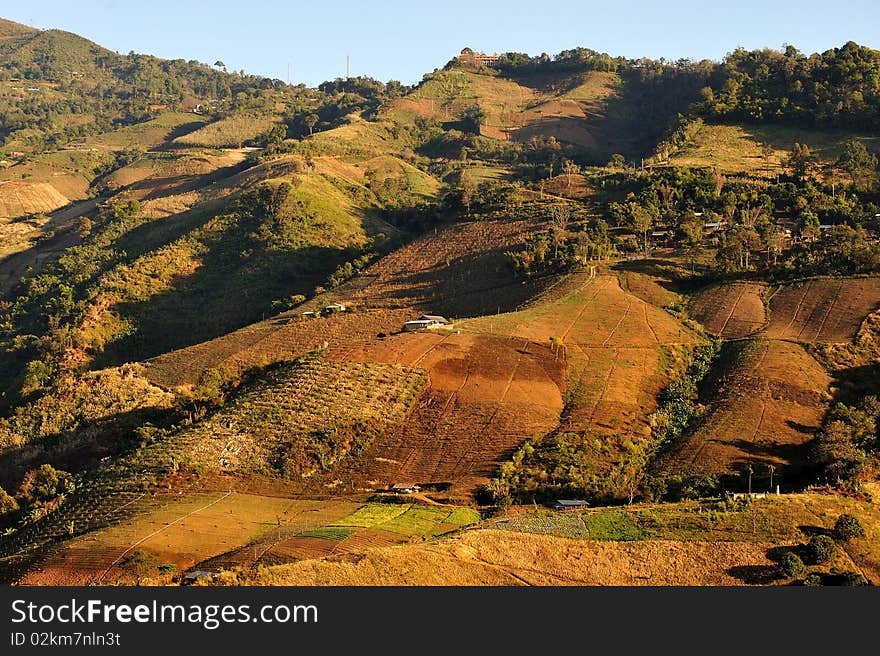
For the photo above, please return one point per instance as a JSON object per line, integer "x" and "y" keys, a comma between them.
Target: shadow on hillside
{"x": 809, "y": 530}
{"x": 667, "y": 273}
{"x": 181, "y": 184}
{"x": 82, "y": 449}
{"x": 472, "y": 285}
{"x": 180, "y": 131}
{"x": 229, "y": 290}
{"x": 855, "y": 383}
{"x": 760, "y": 455}
{"x": 644, "y": 108}
{"x": 755, "y": 574}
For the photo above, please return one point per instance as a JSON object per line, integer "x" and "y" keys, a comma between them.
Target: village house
{"x": 468, "y": 56}
{"x": 426, "y": 322}
{"x": 570, "y": 504}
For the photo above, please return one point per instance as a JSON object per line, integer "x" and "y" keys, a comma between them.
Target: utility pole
{"x": 347, "y": 66}
{"x": 288, "y": 73}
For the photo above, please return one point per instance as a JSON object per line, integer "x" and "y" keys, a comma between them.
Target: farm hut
{"x": 714, "y": 226}
{"x": 436, "y": 318}
{"x": 570, "y": 504}
{"x": 422, "y": 324}
{"x": 198, "y": 575}
{"x": 403, "y": 488}
{"x": 334, "y": 307}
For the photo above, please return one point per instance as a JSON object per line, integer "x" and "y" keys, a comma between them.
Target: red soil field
{"x": 730, "y": 311}
{"x": 768, "y": 406}
{"x": 486, "y": 396}
{"x": 825, "y": 310}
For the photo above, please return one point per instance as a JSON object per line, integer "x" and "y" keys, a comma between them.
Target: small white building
{"x": 426, "y": 322}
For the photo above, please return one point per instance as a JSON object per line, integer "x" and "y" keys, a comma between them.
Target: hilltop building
{"x": 468, "y": 56}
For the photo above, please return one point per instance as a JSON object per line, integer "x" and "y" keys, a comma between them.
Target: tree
{"x": 642, "y": 218}
{"x": 801, "y": 162}
{"x": 7, "y": 502}
{"x": 472, "y": 118}
{"x": 820, "y": 549}
{"x": 617, "y": 161}
{"x": 559, "y": 216}
{"x": 140, "y": 563}
{"x": 310, "y": 121}
{"x": 792, "y": 564}
{"x": 857, "y": 162}
{"x": 767, "y": 153}
{"x": 692, "y": 229}
{"x": 45, "y": 484}
{"x": 570, "y": 168}
{"x": 219, "y": 64}
{"x": 848, "y": 527}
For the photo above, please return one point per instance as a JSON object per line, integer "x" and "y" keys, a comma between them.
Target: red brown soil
{"x": 826, "y": 310}
{"x": 768, "y": 406}
{"x": 456, "y": 271}
{"x": 486, "y": 395}
{"x": 730, "y": 311}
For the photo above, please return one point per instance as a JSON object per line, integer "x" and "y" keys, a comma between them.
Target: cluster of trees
{"x": 339, "y": 98}
{"x": 848, "y": 439}
{"x": 39, "y": 326}
{"x": 40, "y": 491}
{"x": 564, "y": 245}
{"x": 836, "y": 87}
{"x": 753, "y": 239}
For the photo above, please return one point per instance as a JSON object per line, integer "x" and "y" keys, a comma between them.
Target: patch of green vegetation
{"x": 613, "y": 525}
{"x": 463, "y": 517}
{"x": 417, "y": 520}
{"x": 373, "y": 514}
{"x": 336, "y": 533}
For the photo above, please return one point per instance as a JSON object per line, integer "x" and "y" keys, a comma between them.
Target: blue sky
{"x": 403, "y": 40}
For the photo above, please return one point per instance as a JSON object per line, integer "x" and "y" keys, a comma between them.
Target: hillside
{"x": 643, "y": 285}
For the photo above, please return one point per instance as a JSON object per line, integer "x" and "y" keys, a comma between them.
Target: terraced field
{"x": 769, "y": 400}
{"x": 19, "y": 199}
{"x": 730, "y": 311}
{"x": 614, "y": 344}
{"x": 823, "y": 310}
{"x": 486, "y": 395}
{"x": 307, "y": 396}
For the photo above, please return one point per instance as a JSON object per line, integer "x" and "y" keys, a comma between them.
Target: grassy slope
{"x": 734, "y": 148}
{"x": 674, "y": 544}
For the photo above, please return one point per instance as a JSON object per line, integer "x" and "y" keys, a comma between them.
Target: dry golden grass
{"x": 740, "y": 148}
{"x": 731, "y": 310}
{"x": 19, "y": 199}
{"x": 488, "y": 557}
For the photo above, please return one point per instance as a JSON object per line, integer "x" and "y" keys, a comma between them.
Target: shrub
{"x": 813, "y": 580}
{"x": 7, "y": 502}
{"x": 852, "y": 579}
{"x": 44, "y": 484}
{"x": 820, "y": 549}
{"x": 792, "y": 565}
{"x": 848, "y": 527}
{"x": 140, "y": 563}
